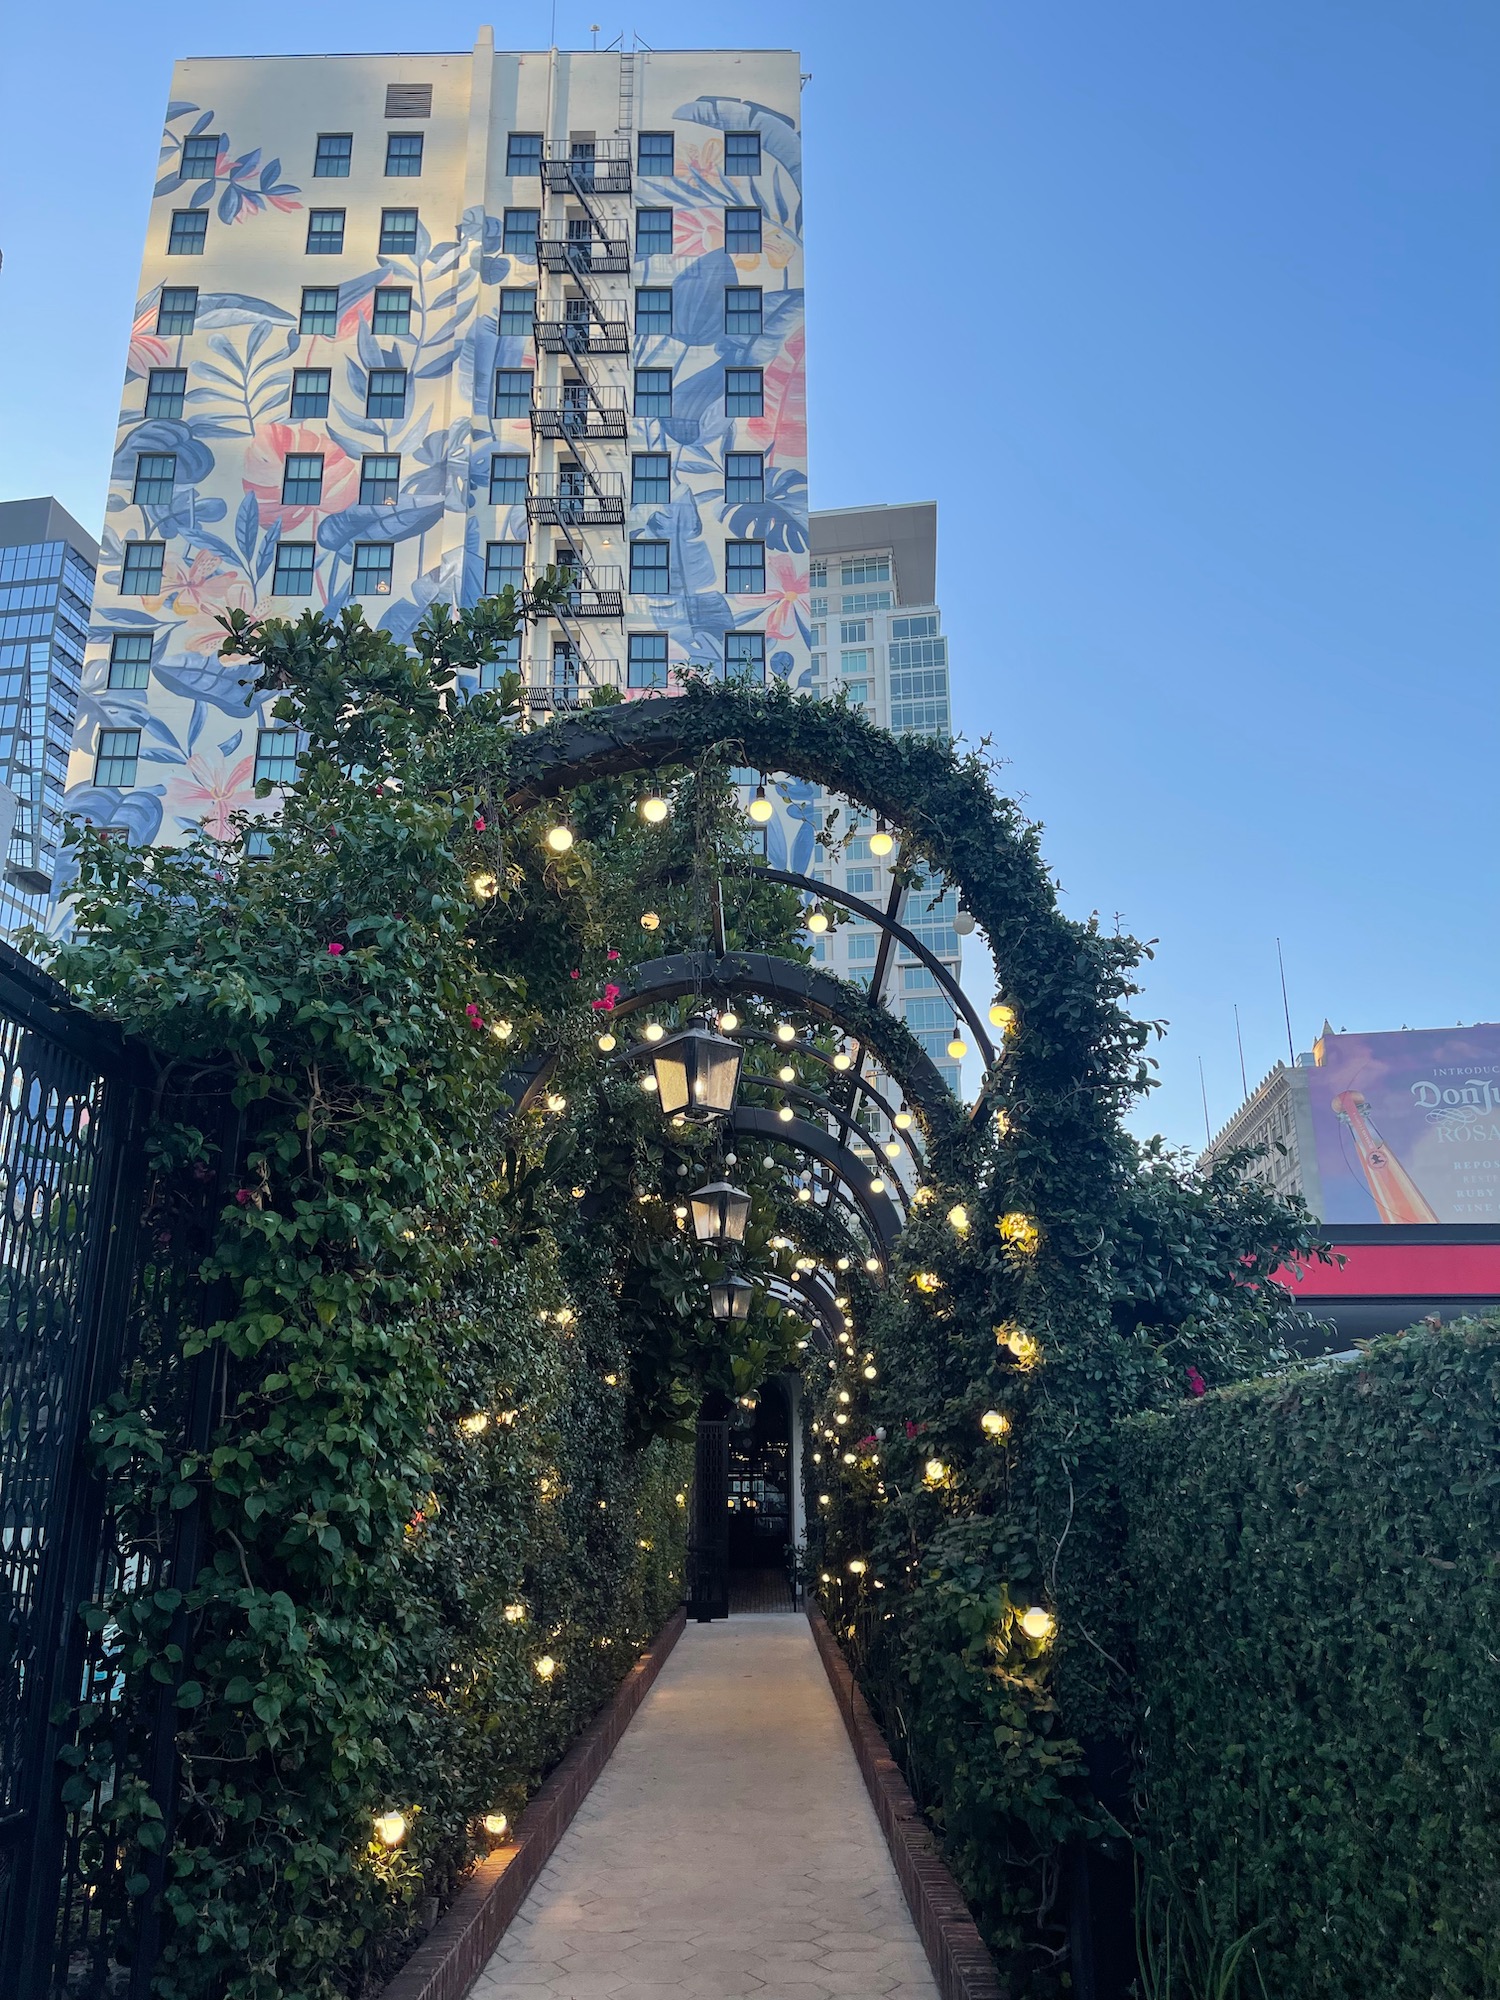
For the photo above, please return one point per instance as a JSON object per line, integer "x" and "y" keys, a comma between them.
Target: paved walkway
{"x": 728, "y": 1849}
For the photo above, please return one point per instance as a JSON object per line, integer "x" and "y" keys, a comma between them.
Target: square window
{"x": 141, "y": 574}
{"x": 130, "y": 661}
{"x": 386, "y": 396}
{"x": 508, "y": 481}
{"x": 165, "y": 389}
{"x": 744, "y": 476}
{"x": 745, "y": 657}
{"x": 320, "y": 310}
{"x": 293, "y": 575}
{"x": 742, "y": 152}
{"x": 373, "y": 564}
{"x": 177, "y": 309}
{"x": 331, "y": 161}
{"x": 742, "y": 310}
{"x": 742, "y": 232}
{"x": 398, "y": 232}
{"x": 653, "y": 232}
{"x": 507, "y": 660}
{"x": 523, "y": 153}
{"x": 518, "y": 311}
{"x": 119, "y": 754}
{"x": 745, "y": 567}
{"x": 189, "y": 232}
{"x": 650, "y": 569}
{"x": 650, "y": 479}
{"x": 817, "y": 575}
{"x": 744, "y": 392}
{"x": 155, "y": 475}
{"x": 862, "y": 944}
{"x": 302, "y": 479}
{"x": 200, "y": 156}
{"x": 276, "y": 757}
{"x": 653, "y": 310}
{"x": 855, "y": 632}
{"x": 325, "y": 232}
{"x": 860, "y": 881}
{"x": 403, "y": 155}
{"x": 504, "y": 567}
{"x": 518, "y": 237}
{"x": 379, "y": 479}
{"x": 655, "y": 153}
{"x": 646, "y": 666}
{"x": 392, "y": 312}
{"x": 512, "y": 392}
{"x": 653, "y": 392}
{"x": 310, "y": 391}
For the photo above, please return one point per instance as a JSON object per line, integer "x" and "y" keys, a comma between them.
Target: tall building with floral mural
{"x": 411, "y": 328}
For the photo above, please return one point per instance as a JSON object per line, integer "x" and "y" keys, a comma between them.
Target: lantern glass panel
{"x": 698, "y": 1072}
{"x": 720, "y": 1213}
{"x": 731, "y": 1298}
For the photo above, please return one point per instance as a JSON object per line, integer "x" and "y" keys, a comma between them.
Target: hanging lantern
{"x": 720, "y": 1213}
{"x": 730, "y": 1297}
{"x": 697, "y": 1072}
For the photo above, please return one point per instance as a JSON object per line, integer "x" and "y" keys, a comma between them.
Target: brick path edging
{"x": 960, "y": 1961}
{"x": 457, "y": 1949}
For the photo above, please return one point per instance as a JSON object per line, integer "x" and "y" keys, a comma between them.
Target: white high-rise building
{"x": 414, "y": 327}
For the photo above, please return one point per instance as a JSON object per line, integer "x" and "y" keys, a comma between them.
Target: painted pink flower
{"x": 147, "y": 350}
{"x": 788, "y": 595}
{"x": 265, "y": 471}
{"x": 199, "y": 588}
{"x": 210, "y": 791}
{"x": 335, "y": 950}
{"x": 697, "y": 231}
{"x": 1196, "y": 1384}
{"x": 781, "y": 433}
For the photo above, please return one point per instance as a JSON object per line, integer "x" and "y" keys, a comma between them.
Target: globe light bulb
{"x": 729, "y": 1022}
{"x": 485, "y": 886}
{"x": 891, "y": 1150}
{"x": 958, "y": 1048}
{"x": 872, "y": 1265}
{"x": 502, "y": 1030}
{"x": 654, "y": 1031}
{"x": 786, "y": 1074}
{"x": 650, "y": 921}
{"x": 556, "y": 1101}
{"x": 560, "y": 838}
{"x": 606, "y": 1042}
{"x": 858, "y": 1567}
{"x": 869, "y": 1374}
{"x": 785, "y": 1032}
{"x": 994, "y": 1423}
{"x": 842, "y": 1265}
{"x": 390, "y": 1828}
{"x": 546, "y": 1667}
{"x": 881, "y": 842}
{"x": 1038, "y": 1622}
{"x": 935, "y": 1471}
{"x": 648, "y": 1081}
{"x": 804, "y": 1194}
{"x": 654, "y": 810}
{"x": 843, "y": 1060}
{"x": 1001, "y": 1016}
{"x": 877, "y": 1186}
{"x": 817, "y": 922}
{"x": 496, "y": 1825}
{"x": 760, "y": 807}
{"x": 902, "y": 1121}
{"x": 958, "y": 1219}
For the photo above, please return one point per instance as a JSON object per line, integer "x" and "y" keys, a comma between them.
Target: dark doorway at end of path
{"x": 758, "y": 1502}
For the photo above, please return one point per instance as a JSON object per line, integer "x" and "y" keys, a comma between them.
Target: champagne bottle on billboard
{"x": 1396, "y": 1196}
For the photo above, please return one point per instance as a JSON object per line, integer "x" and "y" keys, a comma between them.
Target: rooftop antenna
{"x": 594, "y": 31}
{"x": 1291, "y": 1053}
{"x": 1208, "y": 1136}
{"x": 1240, "y": 1040}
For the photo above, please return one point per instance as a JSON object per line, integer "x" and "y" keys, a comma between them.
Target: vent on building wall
{"x": 408, "y": 100}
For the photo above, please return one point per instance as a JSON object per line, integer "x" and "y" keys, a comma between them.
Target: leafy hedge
{"x": 1312, "y": 1585}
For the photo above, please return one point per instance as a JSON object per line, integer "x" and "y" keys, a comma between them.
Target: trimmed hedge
{"x": 1313, "y": 1568}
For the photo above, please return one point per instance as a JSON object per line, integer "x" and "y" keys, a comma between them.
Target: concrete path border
{"x": 960, "y": 1960}
{"x": 457, "y": 1949}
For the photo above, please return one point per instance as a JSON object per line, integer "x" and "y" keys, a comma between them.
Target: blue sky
{"x": 1187, "y": 317}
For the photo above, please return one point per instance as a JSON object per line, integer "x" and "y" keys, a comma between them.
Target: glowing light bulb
{"x": 872, "y": 1264}
{"x": 935, "y": 1471}
{"x": 843, "y": 1060}
{"x": 760, "y": 808}
{"x": 1002, "y": 1017}
{"x": 556, "y": 1101}
{"x": 546, "y": 1667}
{"x": 650, "y": 921}
{"x": 606, "y": 1042}
{"x": 485, "y": 886}
{"x": 786, "y": 1074}
{"x": 729, "y": 1022}
{"x": 648, "y": 1081}
{"x": 476, "y": 1425}
{"x": 654, "y": 1031}
{"x": 1020, "y": 1232}
{"x": 1038, "y": 1622}
{"x": 842, "y": 1264}
{"x": 881, "y": 842}
{"x": 869, "y": 1374}
{"x": 785, "y": 1032}
{"x": 654, "y": 810}
{"x": 858, "y": 1567}
{"x": 390, "y": 1828}
{"x": 786, "y": 1114}
{"x": 502, "y": 1030}
{"x": 804, "y": 1194}
{"x": 496, "y": 1825}
{"x": 817, "y": 922}
{"x": 958, "y": 1048}
{"x": 902, "y": 1121}
{"x": 958, "y": 1219}
{"x": 994, "y": 1423}
{"x": 877, "y": 1186}
{"x": 891, "y": 1150}
{"x": 559, "y": 838}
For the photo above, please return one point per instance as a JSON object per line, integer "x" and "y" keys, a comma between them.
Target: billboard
{"x": 1406, "y": 1127}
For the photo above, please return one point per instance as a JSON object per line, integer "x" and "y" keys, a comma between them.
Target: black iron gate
{"x": 708, "y": 1544}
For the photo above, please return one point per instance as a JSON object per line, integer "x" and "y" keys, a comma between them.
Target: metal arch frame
{"x": 866, "y": 1089}
{"x": 827, "y": 1105}
{"x": 809, "y": 1299}
{"x": 878, "y": 1210}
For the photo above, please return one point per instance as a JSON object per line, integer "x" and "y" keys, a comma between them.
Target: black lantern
{"x": 697, "y": 1072}
{"x": 730, "y": 1296}
{"x": 720, "y": 1213}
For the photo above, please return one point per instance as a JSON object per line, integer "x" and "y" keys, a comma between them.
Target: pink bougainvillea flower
{"x": 607, "y": 1004}
{"x": 1196, "y": 1384}
{"x": 335, "y": 950}
{"x": 911, "y": 1429}
{"x": 476, "y": 1019}
{"x": 782, "y": 432}
{"x": 265, "y": 471}
{"x": 243, "y": 1196}
{"x": 479, "y": 826}
{"x": 611, "y": 953}
{"x": 574, "y": 974}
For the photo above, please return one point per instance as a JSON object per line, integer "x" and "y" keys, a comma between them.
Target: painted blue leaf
{"x": 179, "y": 108}
{"x": 440, "y": 364}
{"x": 219, "y": 548}
{"x": 230, "y": 203}
{"x": 199, "y": 678}
{"x": 202, "y": 195}
{"x": 162, "y": 756}
{"x": 399, "y": 523}
{"x": 121, "y": 614}
{"x": 217, "y": 309}
{"x": 231, "y": 743}
{"x": 268, "y": 174}
{"x": 194, "y": 460}
{"x": 139, "y": 812}
{"x": 246, "y": 161}
{"x": 247, "y": 527}
{"x": 368, "y": 347}
{"x": 203, "y": 123}
{"x": 268, "y": 550}
{"x": 256, "y": 339}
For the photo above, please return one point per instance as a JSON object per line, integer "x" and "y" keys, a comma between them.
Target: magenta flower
{"x": 607, "y": 1004}
{"x": 611, "y": 954}
{"x": 1196, "y": 1384}
{"x": 479, "y": 825}
{"x": 475, "y": 1018}
{"x": 243, "y": 1196}
{"x": 335, "y": 950}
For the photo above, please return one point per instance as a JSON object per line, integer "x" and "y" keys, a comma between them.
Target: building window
{"x": 650, "y": 479}
{"x": 325, "y": 232}
{"x": 744, "y": 476}
{"x": 653, "y": 310}
{"x": 302, "y": 479}
{"x": 817, "y": 575}
{"x": 331, "y": 161}
{"x": 517, "y": 311}
{"x": 646, "y": 666}
{"x": 523, "y": 153}
{"x": 653, "y": 232}
{"x": 320, "y": 309}
{"x": 860, "y": 881}
{"x": 856, "y": 663}
{"x": 512, "y": 392}
{"x": 118, "y": 757}
{"x": 653, "y": 392}
{"x": 655, "y": 153}
{"x": 155, "y": 475}
{"x": 854, "y": 632}
{"x": 742, "y": 310}
{"x": 141, "y": 575}
{"x": 507, "y": 660}
{"x": 165, "y": 388}
{"x": 403, "y": 156}
{"x": 177, "y": 309}
{"x": 386, "y": 396}
{"x": 650, "y": 569}
{"x": 189, "y": 232}
{"x": 866, "y": 600}
{"x": 745, "y": 567}
{"x": 130, "y": 661}
{"x": 508, "y": 481}
{"x": 742, "y": 153}
{"x": 866, "y": 569}
{"x": 862, "y": 944}
{"x": 276, "y": 757}
{"x": 373, "y": 565}
{"x": 293, "y": 576}
{"x": 310, "y": 391}
{"x": 744, "y": 392}
{"x": 923, "y": 627}
{"x": 398, "y": 232}
{"x": 519, "y": 235}
{"x": 200, "y": 156}
{"x": 392, "y": 312}
{"x": 379, "y": 479}
{"x": 742, "y": 232}
{"x": 745, "y": 657}
{"x": 504, "y": 567}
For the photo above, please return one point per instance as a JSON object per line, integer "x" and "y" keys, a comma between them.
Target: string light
{"x": 858, "y": 1566}
{"x": 546, "y": 1667}
{"x": 958, "y": 1219}
{"x": 786, "y": 1074}
{"x": 1002, "y": 1017}
{"x": 872, "y": 1265}
{"x": 556, "y": 1101}
{"x": 654, "y": 1031}
{"x": 958, "y": 1048}
{"x": 1023, "y": 1346}
{"x": 869, "y": 1374}
{"x": 560, "y": 837}
{"x": 476, "y": 1425}
{"x": 760, "y": 808}
{"x": 606, "y": 1042}
{"x": 485, "y": 886}
{"x": 994, "y": 1423}
{"x": 877, "y": 1186}
{"x": 1020, "y": 1232}
{"x": 654, "y": 810}
{"x": 786, "y": 1114}
{"x": 817, "y": 922}
{"x": 729, "y": 1022}
{"x": 891, "y": 1150}
{"x": 1038, "y": 1622}
{"x": 881, "y": 841}
{"x": 390, "y": 1828}
{"x": 496, "y": 1825}
{"x": 902, "y": 1121}
{"x": 502, "y": 1030}
{"x": 842, "y": 1264}
{"x": 650, "y": 921}
{"x": 935, "y": 1472}
{"x": 648, "y": 1080}
{"x": 785, "y": 1032}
